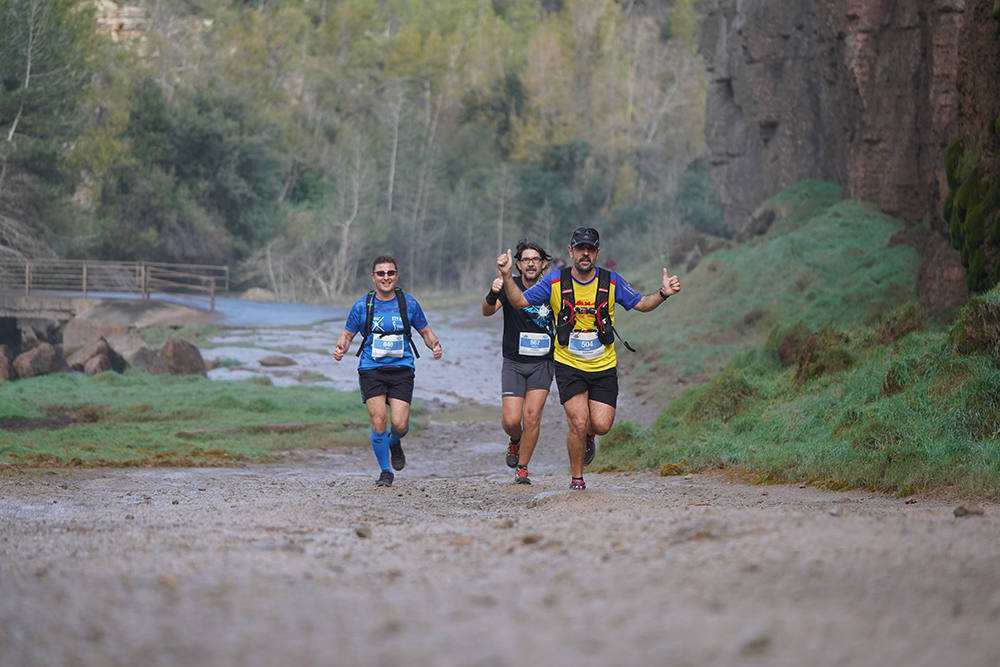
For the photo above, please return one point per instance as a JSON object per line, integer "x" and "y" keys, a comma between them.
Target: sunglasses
{"x": 528, "y": 260}
{"x": 383, "y": 274}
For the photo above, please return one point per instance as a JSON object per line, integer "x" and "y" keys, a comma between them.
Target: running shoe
{"x": 521, "y": 475}
{"x": 588, "y": 453}
{"x": 385, "y": 479}
{"x": 513, "y": 449}
{"x": 577, "y": 484}
{"x": 396, "y": 456}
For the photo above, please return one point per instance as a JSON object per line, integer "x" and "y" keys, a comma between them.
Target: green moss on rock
{"x": 972, "y": 209}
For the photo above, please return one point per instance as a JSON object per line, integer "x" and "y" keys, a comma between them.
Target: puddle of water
{"x": 469, "y": 369}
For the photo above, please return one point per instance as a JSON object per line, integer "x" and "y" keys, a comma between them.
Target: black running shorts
{"x": 601, "y": 386}
{"x": 391, "y": 382}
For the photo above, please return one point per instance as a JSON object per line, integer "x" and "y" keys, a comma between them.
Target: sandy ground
{"x": 306, "y": 563}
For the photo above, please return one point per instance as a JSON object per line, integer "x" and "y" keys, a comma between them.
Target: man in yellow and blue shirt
{"x": 585, "y": 365}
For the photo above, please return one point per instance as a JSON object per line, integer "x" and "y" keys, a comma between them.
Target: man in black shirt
{"x": 527, "y": 358}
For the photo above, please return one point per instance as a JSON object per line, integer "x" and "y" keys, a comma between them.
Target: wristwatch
{"x": 662, "y": 295}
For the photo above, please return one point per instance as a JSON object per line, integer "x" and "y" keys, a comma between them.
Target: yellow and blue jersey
{"x": 547, "y": 290}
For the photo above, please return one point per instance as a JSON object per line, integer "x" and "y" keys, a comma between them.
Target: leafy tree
{"x": 44, "y": 70}
{"x": 248, "y": 130}
{"x": 202, "y": 182}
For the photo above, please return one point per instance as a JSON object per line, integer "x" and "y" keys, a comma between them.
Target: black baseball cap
{"x": 585, "y": 236}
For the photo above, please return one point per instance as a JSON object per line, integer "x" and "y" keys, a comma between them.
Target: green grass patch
{"x": 912, "y": 415}
{"x": 803, "y": 355}
{"x": 137, "y": 419}
{"x": 823, "y": 261}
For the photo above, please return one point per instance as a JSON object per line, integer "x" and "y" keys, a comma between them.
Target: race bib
{"x": 585, "y": 345}
{"x": 532, "y": 344}
{"x": 387, "y": 345}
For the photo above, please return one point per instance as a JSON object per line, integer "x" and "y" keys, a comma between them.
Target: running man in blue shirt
{"x": 385, "y": 371}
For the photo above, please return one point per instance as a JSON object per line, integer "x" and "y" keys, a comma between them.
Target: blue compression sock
{"x": 380, "y": 443}
{"x": 395, "y": 437}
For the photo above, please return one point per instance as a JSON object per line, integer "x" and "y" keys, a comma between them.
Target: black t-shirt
{"x": 534, "y": 319}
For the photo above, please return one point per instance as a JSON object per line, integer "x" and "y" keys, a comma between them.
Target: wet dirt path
{"x": 306, "y": 563}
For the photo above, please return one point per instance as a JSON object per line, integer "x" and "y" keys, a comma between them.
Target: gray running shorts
{"x": 517, "y": 378}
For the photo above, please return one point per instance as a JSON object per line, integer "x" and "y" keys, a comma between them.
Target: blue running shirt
{"x": 386, "y": 318}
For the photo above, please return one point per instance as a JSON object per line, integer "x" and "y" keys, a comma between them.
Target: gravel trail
{"x": 306, "y": 563}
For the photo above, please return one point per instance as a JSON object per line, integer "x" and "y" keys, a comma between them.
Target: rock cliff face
{"x": 979, "y": 83}
{"x": 859, "y": 92}
{"x": 121, "y": 22}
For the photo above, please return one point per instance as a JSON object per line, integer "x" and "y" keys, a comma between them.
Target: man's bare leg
{"x": 584, "y": 416}
{"x": 602, "y": 417}
{"x": 578, "y": 419}
{"x": 534, "y": 402}
{"x": 512, "y": 407}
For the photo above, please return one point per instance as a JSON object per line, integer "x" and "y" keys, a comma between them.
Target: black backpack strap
{"x": 370, "y": 317}
{"x": 606, "y": 331}
{"x": 624, "y": 342}
{"x": 401, "y": 302}
{"x": 567, "y": 306}
{"x": 602, "y": 309}
{"x": 366, "y": 330}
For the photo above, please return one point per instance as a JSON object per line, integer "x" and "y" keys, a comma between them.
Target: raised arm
{"x": 490, "y": 304}
{"x": 431, "y": 341}
{"x": 671, "y": 285}
{"x": 515, "y": 296}
{"x": 343, "y": 343}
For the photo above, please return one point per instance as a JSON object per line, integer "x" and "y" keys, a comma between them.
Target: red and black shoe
{"x": 577, "y": 484}
{"x": 513, "y": 449}
{"x": 521, "y": 475}
{"x": 385, "y": 479}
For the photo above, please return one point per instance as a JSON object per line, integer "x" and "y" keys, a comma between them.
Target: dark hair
{"x": 524, "y": 244}
{"x": 384, "y": 259}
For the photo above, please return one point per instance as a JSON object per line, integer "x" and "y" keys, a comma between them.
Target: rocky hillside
{"x": 860, "y": 92}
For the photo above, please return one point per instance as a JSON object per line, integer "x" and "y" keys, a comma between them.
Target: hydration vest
{"x": 370, "y": 316}
{"x": 566, "y": 319}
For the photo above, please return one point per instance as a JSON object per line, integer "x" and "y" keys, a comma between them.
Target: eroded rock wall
{"x": 860, "y": 92}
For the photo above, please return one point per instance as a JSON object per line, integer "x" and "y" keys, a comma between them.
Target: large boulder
{"x": 135, "y": 352}
{"x": 82, "y": 332}
{"x": 182, "y": 358}
{"x": 98, "y": 364}
{"x": 35, "y": 330}
{"x": 81, "y": 358}
{"x": 40, "y": 360}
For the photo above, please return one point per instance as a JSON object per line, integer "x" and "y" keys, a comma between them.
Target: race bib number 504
{"x": 585, "y": 345}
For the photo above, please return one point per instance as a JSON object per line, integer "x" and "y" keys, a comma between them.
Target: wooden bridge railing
{"x": 144, "y": 278}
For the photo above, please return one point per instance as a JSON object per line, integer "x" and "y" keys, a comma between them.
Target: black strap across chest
{"x": 370, "y": 317}
{"x": 566, "y": 319}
